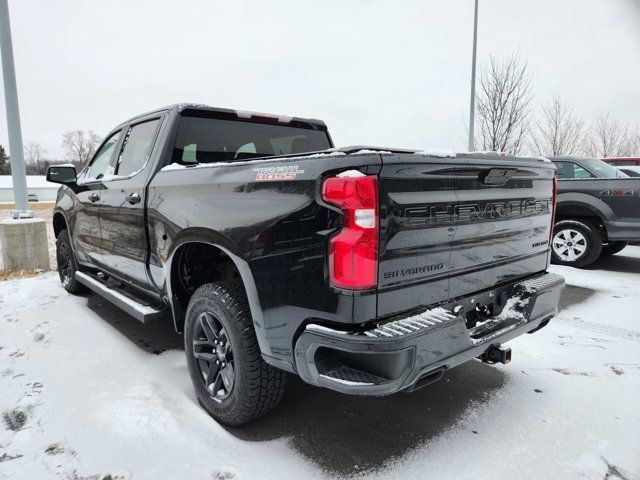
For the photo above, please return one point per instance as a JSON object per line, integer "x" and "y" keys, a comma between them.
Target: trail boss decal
{"x": 288, "y": 172}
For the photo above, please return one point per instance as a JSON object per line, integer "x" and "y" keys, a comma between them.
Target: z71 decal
{"x": 620, "y": 193}
{"x": 288, "y": 172}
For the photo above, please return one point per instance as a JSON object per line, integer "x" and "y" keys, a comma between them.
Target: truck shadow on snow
{"x": 342, "y": 434}
{"x": 155, "y": 338}
{"x": 347, "y": 435}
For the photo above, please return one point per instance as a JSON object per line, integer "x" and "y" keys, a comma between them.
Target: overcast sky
{"x": 379, "y": 72}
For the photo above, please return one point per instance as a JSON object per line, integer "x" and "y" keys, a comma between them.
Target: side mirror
{"x": 65, "y": 174}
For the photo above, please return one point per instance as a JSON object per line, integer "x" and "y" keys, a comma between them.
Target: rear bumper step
{"x": 410, "y": 352}
{"x": 137, "y": 309}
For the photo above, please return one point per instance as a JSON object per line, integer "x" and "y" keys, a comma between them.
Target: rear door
{"x": 123, "y": 203}
{"x": 450, "y": 227}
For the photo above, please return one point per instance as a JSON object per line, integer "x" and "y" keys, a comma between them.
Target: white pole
{"x": 472, "y": 101}
{"x": 18, "y": 171}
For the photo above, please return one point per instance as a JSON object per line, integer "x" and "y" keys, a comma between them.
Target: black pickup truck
{"x": 598, "y": 211}
{"x": 363, "y": 270}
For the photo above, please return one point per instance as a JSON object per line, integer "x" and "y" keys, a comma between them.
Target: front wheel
{"x": 575, "y": 243}
{"x": 611, "y": 248}
{"x": 232, "y": 381}
{"x": 67, "y": 266}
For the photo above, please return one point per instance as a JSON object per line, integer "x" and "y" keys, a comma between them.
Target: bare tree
{"x": 630, "y": 144}
{"x": 558, "y": 132}
{"x": 606, "y": 138}
{"x": 79, "y": 146}
{"x": 34, "y": 156}
{"x": 503, "y": 105}
{"x": 34, "y": 152}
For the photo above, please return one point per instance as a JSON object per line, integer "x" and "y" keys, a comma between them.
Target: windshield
{"x": 604, "y": 170}
{"x": 207, "y": 140}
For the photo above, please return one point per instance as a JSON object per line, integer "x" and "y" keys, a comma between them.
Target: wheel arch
{"x": 59, "y": 223}
{"x": 209, "y": 243}
{"x": 579, "y": 206}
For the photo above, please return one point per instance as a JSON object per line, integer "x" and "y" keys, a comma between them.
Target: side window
{"x": 189, "y": 154}
{"x": 568, "y": 170}
{"x": 579, "y": 172}
{"x": 137, "y": 147}
{"x": 564, "y": 170}
{"x": 102, "y": 159}
{"x": 247, "y": 150}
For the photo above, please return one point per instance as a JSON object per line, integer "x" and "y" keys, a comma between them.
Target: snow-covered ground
{"x": 87, "y": 393}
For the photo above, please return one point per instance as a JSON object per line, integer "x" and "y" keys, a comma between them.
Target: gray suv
{"x": 598, "y": 211}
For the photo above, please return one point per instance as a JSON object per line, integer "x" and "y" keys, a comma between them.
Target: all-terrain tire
{"x": 67, "y": 266}
{"x": 611, "y": 248}
{"x": 257, "y": 387}
{"x": 575, "y": 243}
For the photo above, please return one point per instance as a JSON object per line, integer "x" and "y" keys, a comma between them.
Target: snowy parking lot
{"x": 88, "y": 393}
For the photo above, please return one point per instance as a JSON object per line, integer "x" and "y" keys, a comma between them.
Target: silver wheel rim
{"x": 569, "y": 245}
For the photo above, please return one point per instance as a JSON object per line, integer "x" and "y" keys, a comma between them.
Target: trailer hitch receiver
{"x": 496, "y": 355}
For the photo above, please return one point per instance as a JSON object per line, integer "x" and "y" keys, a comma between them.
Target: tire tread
{"x": 266, "y": 384}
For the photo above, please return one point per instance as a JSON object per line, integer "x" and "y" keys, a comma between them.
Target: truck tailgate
{"x": 450, "y": 227}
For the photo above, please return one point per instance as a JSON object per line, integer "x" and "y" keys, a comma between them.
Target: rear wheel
{"x": 67, "y": 266}
{"x": 611, "y": 248}
{"x": 575, "y": 243}
{"x": 232, "y": 381}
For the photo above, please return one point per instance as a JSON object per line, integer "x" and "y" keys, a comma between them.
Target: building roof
{"x": 33, "y": 181}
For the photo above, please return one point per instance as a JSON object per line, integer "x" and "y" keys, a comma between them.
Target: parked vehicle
{"x": 362, "y": 270}
{"x": 622, "y": 161}
{"x": 598, "y": 211}
{"x": 630, "y": 171}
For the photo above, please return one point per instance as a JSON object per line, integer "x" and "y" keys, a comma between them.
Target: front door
{"x": 122, "y": 204}
{"x": 85, "y": 228}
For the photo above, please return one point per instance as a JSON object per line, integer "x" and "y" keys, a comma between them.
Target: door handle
{"x": 133, "y": 198}
{"x": 94, "y": 197}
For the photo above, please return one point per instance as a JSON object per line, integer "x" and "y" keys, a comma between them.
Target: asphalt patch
{"x": 347, "y": 435}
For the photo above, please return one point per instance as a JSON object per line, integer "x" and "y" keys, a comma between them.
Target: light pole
{"x": 18, "y": 171}
{"x": 472, "y": 101}
{"x": 23, "y": 241}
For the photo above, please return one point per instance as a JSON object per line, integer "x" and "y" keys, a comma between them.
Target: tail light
{"x": 353, "y": 252}
{"x": 553, "y": 209}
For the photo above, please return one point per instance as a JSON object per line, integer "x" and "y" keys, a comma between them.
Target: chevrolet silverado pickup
{"x": 598, "y": 211}
{"x": 367, "y": 271}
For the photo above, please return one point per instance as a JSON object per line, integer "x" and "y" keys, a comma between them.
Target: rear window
{"x": 210, "y": 140}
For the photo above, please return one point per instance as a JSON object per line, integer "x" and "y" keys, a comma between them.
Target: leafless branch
{"x": 607, "y": 138}
{"x": 503, "y": 105}
{"x": 79, "y": 146}
{"x": 559, "y": 132}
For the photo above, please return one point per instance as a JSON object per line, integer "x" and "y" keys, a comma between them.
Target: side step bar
{"x": 143, "y": 313}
